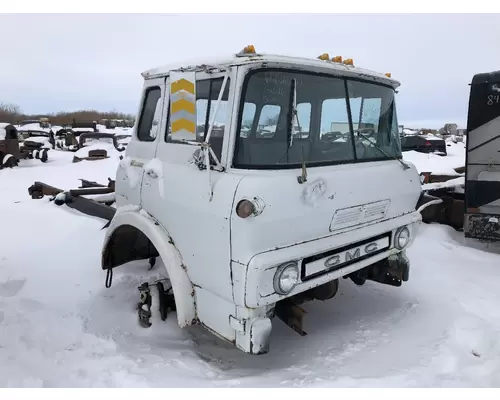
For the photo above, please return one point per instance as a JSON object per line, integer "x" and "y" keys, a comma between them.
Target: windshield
{"x": 338, "y": 121}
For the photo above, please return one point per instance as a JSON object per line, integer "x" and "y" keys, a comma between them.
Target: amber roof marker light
{"x": 247, "y": 51}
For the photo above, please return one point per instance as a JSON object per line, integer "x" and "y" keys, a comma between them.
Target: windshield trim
{"x": 345, "y": 79}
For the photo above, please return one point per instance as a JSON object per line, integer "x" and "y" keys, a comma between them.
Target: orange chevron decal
{"x": 182, "y": 84}
{"x": 183, "y": 124}
{"x": 183, "y": 105}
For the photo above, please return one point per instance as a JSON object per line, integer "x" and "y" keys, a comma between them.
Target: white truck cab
{"x": 260, "y": 181}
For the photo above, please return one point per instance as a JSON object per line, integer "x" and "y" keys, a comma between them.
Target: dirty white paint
{"x": 289, "y": 219}
{"x": 145, "y": 214}
{"x": 133, "y": 174}
{"x": 155, "y": 167}
{"x": 181, "y": 284}
{"x": 127, "y": 208}
{"x": 311, "y": 64}
{"x": 314, "y": 192}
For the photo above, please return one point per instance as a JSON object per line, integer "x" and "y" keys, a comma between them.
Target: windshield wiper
{"x": 292, "y": 115}
{"x": 405, "y": 166}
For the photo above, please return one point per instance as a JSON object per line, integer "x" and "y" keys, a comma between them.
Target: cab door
{"x": 193, "y": 206}
{"x": 142, "y": 147}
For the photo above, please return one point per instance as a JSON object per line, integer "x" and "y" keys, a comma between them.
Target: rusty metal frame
{"x": 73, "y": 197}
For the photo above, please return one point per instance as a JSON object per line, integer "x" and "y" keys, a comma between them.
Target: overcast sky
{"x": 66, "y": 62}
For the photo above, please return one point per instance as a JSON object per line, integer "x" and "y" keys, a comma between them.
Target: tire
{"x": 161, "y": 301}
{"x": 9, "y": 161}
{"x": 44, "y": 157}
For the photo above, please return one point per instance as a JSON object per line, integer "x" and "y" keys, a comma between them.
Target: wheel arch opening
{"x": 127, "y": 243}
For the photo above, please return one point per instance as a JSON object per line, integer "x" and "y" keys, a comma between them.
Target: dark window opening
{"x": 149, "y": 121}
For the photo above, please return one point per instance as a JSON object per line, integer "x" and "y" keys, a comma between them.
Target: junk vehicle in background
{"x": 424, "y": 144}
{"x": 263, "y": 208}
{"x": 34, "y": 137}
{"x": 89, "y": 144}
{"x": 11, "y": 152}
{"x": 96, "y": 145}
{"x": 482, "y": 172}
{"x": 43, "y": 122}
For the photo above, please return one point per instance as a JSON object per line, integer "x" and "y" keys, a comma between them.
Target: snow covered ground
{"x": 59, "y": 325}
{"x": 438, "y": 164}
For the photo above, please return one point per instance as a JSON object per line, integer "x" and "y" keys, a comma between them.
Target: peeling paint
{"x": 127, "y": 208}
{"x": 154, "y": 168}
{"x": 132, "y": 173}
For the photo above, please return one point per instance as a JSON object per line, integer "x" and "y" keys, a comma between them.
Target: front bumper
{"x": 258, "y": 290}
{"x": 253, "y": 330}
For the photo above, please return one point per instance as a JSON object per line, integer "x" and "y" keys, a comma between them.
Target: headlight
{"x": 286, "y": 278}
{"x": 402, "y": 238}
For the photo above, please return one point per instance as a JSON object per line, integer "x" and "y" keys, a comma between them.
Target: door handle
{"x": 152, "y": 174}
{"x": 135, "y": 163}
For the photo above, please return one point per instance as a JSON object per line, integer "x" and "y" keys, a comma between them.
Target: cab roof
{"x": 315, "y": 65}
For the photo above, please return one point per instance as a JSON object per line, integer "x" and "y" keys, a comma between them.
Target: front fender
{"x": 181, "y": 284}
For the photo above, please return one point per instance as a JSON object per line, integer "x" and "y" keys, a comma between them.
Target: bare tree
{"x": 12, "y": 113}
{"x": 9, "y": 112}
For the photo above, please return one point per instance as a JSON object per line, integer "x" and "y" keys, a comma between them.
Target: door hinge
{"x": 237, "y": 324}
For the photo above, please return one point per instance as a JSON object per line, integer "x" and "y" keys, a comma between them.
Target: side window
{"x": 207, "y": 93}
{"x": 247, "y": 119}
{"x": 202, "y": 97}
{"x": 149, "y": 121}
{"x": 268, "y": 121}
{"x": 221, "y": 117}
{"x": 302, "y": 125}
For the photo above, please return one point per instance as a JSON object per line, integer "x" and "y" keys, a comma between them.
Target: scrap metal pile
{"x": 75, "y": 138}
{"x": 99, "y": 206}
{"x": 82, "y": 138}
{"x": 443, "y": 199}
